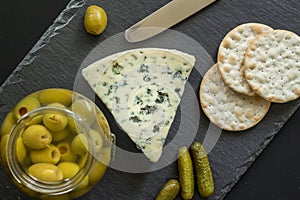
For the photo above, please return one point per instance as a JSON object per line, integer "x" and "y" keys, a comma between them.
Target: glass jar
{"x": 55, "y": 144}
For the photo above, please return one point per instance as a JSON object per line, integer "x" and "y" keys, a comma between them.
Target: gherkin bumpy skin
{"x": 25, "y": 105}
{"x": 55, "y": 122}
{"x": 169, "y": 191}
{"x": 49, "y": 154}
{"x": 46, "y": 172}
{"x": 186, "y": 175}
{"x": 203, "y": 171}
{"x": 56, "y": 95}
{"x": 36, "y": 137}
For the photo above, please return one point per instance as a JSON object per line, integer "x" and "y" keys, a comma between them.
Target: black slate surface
{"x": 55, "y": 60}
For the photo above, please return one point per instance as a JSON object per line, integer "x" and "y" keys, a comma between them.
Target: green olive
{"x": 67, "y": 155}
{"x": 56, "y": 95}
{"x": 55, "y": 122}
{"x": 97, "y": 140}
{"x": 72, "y": 126}
{"x": 21, "y": 150}
{"x": 84, "y": 183}
{"x": 49, "y": 155}
{"x": 82, "y": 160}
{"x": 69, "y": 169}
{"x": 25, "y": 105}
{"x": 35, "y": 120}
{"x": 3, "y": 150}
{"x": 97, "y": 171}
{"x": 59, "y": 105}
{"x": 99, "y": 167}
{"x": 46, "y": 172}
{"x": 101, "y": 120}
{"x": 84, "y": 109}
{"x": 8, "y": 123}
{"x": 95, "y": 20}
{"x": 60, "y": 135}
{"x": 79, "y": 144}
{"x": 37, "y": 137}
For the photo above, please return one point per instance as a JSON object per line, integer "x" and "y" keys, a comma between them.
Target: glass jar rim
{"x": 24, "y": 178}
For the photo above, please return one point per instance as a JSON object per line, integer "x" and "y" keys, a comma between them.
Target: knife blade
{"x": 164, "y": 18}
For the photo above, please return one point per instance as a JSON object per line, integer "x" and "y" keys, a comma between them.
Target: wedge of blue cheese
{"x": 142, "y": 88}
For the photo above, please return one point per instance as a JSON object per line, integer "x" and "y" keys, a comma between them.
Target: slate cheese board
{"x": 58, "y": 57}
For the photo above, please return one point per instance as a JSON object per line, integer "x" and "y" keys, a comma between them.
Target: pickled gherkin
{"x": 203, "y": 171}
{"x": 169, "y": 191}
{"x": 185, "y": 172}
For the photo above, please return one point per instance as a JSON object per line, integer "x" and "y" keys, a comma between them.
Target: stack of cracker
{"x": 256, "y": 66}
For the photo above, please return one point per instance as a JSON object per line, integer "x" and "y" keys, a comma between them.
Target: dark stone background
{"x": 59, "y": 50}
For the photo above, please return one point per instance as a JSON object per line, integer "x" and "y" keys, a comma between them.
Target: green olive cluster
{"x": 52, "y": 148}
{"x": 55, "y": 150}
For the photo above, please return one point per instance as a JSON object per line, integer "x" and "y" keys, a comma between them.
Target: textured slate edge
{"x": 60, "y": 22}
{"x": 240, "y": 171}
{"x": 64, "y": 18}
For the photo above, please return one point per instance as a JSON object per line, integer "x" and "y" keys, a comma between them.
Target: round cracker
{"x": 226, "y": 108}
{"x": 272, "y": 66}
{"x": 231, "y": 55}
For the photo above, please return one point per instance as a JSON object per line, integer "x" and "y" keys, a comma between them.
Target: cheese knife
{"x": 164, "y": 18}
